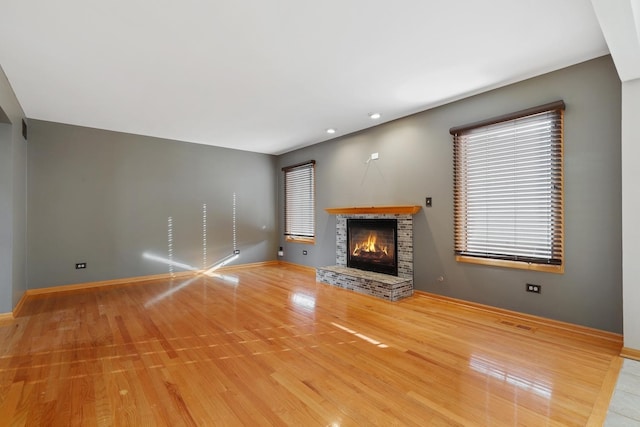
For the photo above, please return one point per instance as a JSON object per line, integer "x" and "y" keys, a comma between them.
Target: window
{"x": 508, "y": 190}
{"x": 299, "y": 202}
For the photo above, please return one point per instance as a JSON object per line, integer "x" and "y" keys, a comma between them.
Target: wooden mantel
{"x": 403, "y": 210}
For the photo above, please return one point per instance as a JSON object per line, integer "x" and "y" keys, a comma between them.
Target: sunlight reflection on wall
{"x": 206, "y": 269}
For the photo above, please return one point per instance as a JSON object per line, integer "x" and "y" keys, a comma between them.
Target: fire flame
{"x": 369, "y": 246}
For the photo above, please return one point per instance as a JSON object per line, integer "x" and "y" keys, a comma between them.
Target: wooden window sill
{"x": 559, "y": 269}
{"x": 306, "y": 240}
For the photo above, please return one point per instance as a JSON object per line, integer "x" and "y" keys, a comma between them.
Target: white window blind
{"x": 508, "y": 178}
{"x": 299, "y": 209}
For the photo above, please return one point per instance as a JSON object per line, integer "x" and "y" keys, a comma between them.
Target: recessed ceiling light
{"x": 374, "y": 116}
{"x": 331, "y": 130}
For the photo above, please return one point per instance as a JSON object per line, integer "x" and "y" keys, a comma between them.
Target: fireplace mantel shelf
{"x": 403, "y": 210}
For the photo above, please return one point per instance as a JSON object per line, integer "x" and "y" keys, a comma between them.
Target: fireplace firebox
{"x": 372, "y": 245}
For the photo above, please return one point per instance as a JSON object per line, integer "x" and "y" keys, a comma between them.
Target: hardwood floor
{"x": 270, "y": 346}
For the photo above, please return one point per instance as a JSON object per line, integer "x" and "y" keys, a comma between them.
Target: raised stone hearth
{"x": 391, "y": 288}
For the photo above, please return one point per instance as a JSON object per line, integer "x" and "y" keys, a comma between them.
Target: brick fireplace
{"x": 387, "y": 286}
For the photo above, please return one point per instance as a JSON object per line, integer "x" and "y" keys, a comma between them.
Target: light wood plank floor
{"x": 269, "y": 346}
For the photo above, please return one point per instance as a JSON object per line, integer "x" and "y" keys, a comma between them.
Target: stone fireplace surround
{"x": 391, "y": 288}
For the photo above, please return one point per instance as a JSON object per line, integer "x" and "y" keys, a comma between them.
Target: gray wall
{"x": 6, "y": 218}
{"x": 104, "y": 198}
{"x": 416, "y": 161}
{"x": 13, "y": 191}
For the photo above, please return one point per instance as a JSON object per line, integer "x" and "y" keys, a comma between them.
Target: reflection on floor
{"x": 624, "y": 409}
{"x": 269, "y": 345}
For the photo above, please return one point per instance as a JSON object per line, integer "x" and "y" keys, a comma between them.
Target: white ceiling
{"x": 272, "y": 76}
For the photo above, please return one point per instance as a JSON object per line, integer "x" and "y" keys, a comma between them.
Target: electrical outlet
{"x": 81, "y": 265}
{"x": 534, "y": 288}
